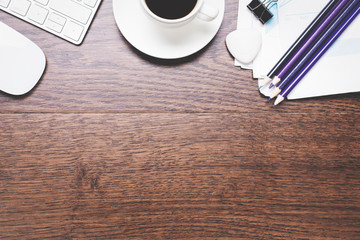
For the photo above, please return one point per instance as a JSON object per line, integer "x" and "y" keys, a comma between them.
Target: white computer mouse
{"x": 22, "y": 62}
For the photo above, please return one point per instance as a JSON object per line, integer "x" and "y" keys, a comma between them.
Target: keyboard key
{"x": 4, "y": 3}
{"x": 72, "y": 10}
{"x": 90, "y": 3}
{"x": 38, "y": 14}
{"x": 43, "y": 2}
{"x": 57, "y": 19}
{"x": 73, "y": 30}
{"x": 54, "y": 26}
{"x": 20, "y": 6}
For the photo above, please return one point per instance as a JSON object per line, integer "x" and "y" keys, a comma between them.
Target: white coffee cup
{"x": 200, "y": 10}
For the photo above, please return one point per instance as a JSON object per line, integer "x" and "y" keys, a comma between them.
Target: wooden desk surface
{"x": 113, "y": 144}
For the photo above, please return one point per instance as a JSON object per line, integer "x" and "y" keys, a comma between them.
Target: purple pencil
{"x": 300, "y": 40}
{"x": 321, "y": 41}
{"x": 339, "y": 29}
{"x": 285, "y": 70}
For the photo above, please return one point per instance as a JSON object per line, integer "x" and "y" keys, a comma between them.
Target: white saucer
{"x": 162, "y": 42}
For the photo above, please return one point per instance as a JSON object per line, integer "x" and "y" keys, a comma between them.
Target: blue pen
{"x": 320, "y": 51}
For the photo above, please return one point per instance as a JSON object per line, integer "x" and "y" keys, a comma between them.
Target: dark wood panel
{"x": 113, "y": 144}
{"x": 183, "y": 176}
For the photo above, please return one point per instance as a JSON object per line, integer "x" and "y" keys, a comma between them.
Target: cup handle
{"x": 208, "y": 13}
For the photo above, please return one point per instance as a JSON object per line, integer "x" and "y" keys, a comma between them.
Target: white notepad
{"x": 335, "y": 73}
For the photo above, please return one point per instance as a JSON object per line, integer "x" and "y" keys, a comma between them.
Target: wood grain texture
{"x": 163, "y": 176}
{"x": 113, "y": 144}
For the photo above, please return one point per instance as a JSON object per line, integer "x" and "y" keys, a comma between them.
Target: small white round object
{"x": 244, "y": 44}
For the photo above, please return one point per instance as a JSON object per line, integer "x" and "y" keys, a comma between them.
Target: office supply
{"x": 340, "y": 26}
{"x": 260, "y": 10}
{"x": 315, "y": 47}
{"x": 339, "y": 62}
{"x": 299, "y": 41}
{"x": 66, "y": 19}
{"x": 244, "y": 44}
{"x": 164, "y": 42}
{"x": 22, "y": 63}
{"x": 304, "y": 47}
{"x": 270, "y": 36}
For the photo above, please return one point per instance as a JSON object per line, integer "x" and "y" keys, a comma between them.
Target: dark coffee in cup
{"x": 171, "y": 9}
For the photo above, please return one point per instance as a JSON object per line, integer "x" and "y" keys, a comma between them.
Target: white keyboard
{"x": 68, "y": 19}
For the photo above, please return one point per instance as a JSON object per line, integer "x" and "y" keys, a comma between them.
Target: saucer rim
{"x": 159, "y": 54}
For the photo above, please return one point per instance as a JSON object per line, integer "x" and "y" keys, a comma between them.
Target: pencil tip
{"x": 278, "y": 100}
{"x": 265, "y": 81}
{"x": 276, "y": 91}
{"x": 276, "y": 80}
